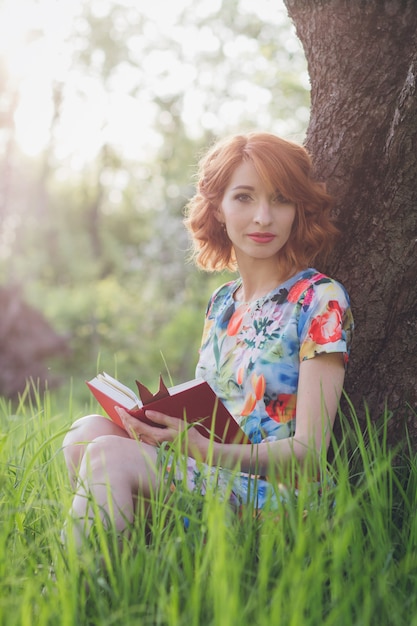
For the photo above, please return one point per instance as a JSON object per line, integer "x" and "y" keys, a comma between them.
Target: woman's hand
{"x": 167, "y": 428}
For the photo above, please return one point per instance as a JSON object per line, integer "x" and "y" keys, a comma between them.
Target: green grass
{"x": 348, "y": 558}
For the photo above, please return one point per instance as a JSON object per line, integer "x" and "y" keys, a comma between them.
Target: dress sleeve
{"x": 326, "y": 320}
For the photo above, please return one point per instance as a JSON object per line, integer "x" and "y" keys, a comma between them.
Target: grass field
{"x": 346, "y": 558}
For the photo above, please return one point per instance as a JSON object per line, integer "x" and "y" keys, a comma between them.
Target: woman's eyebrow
{"x": 243, "y": 187}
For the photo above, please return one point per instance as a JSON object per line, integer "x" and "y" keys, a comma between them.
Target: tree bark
{"x": 362, "y": 60}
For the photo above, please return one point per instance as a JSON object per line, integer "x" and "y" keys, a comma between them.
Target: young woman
{"x": 275, "y": 341}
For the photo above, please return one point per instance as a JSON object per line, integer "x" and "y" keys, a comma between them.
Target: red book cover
{"x": 195, "y": 401}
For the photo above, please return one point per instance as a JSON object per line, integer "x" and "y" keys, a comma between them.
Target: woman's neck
{"x": 255, "y": 285}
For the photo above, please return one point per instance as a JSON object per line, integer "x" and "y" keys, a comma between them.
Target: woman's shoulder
{"x": 222, "y": 296}
{"x": 311, "y": 279}
{"x": 226, "y": 290}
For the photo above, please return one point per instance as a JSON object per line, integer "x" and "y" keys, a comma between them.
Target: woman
{"x": 275, "y": 342}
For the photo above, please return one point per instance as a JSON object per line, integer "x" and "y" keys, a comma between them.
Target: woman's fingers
{"x": 167, "y": 428}
{"x": 165, "y": 420}
{"x": 129, "y": 424}
{"x": 153, "y": 435}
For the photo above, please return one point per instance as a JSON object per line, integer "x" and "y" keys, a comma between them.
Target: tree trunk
{"x": 362, "y": 59}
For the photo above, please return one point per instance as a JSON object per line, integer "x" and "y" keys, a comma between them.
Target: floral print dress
{"x": 251, "y": 353}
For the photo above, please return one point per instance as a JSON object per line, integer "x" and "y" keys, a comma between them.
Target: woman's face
{"x": 258, "y": 221}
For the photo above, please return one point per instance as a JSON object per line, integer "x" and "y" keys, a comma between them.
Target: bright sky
{"x": 36, "y": 51}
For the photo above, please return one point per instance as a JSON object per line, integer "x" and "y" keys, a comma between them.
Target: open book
{"x": 194, "y": 401}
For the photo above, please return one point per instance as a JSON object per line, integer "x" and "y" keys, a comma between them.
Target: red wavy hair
{"x": 284, "y": 166}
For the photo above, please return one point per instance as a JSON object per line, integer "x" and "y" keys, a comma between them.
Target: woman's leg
{"x": 82, "y": 432}
{"x": 110, "y": 471}
{"x": 114, "y": 472}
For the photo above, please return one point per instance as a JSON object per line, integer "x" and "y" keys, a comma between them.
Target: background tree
{"x": 362, "y": 62}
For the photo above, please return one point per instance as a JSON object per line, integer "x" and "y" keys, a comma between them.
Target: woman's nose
{"x": 263, "y": 215}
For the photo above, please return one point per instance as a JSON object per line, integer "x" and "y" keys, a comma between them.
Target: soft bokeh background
{"x": 105, "y": 107}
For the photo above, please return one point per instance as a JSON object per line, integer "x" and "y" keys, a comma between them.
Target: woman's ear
{"x": 218, "y": 214}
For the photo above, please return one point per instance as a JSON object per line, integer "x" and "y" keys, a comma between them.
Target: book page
{"x": 109, "y": 381}
{"x": 187, "y": 385}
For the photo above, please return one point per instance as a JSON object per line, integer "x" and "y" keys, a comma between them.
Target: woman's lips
{"x": 261, "y": 237}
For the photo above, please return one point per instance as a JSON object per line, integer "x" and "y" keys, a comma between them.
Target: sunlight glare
{"x": 38, "y": 48}
{"x": 33, "y": 56}
{"x": 33, "y": 115}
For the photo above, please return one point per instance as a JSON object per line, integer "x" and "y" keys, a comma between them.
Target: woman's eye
{"x": 243, "y": 197}
{"x": 281, "y": 199}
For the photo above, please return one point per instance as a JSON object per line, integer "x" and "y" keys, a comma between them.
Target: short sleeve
{"x": 326, "y": 320}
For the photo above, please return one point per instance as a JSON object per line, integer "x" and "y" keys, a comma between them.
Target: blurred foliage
{"x": 100, "y": 247}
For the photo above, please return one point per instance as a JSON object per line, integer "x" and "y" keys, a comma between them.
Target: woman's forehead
{"x": 249, "y": 174}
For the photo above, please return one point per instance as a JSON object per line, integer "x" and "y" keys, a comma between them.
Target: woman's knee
{"x": 127, "y": 461}
{"x": 91, "y": 427}
{"x": 82, "y": 432}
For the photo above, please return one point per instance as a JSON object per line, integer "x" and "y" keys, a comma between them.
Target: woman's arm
{"x": 319, "y": 390}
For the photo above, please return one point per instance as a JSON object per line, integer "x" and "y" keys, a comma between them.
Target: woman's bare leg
{"x": 110, "y": 472}
{"x": 82, "y": 432}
